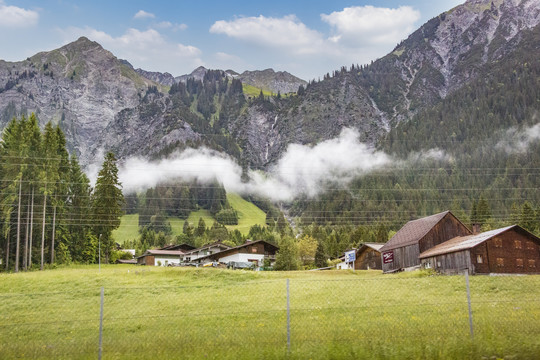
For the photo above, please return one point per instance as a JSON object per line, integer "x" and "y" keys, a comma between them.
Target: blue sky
{"x": 307, "y": 38}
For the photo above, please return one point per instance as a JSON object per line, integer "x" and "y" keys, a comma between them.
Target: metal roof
{"x": 374, "y": 246}
{"x": 463, "y": 242}
{"x": 163, "y": 252}
{"x": 413, "y": 231}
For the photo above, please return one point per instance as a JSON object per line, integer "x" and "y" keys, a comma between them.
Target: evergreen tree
{"x": 320, "y": 258}
{"x": 108, "y": 202}
{"x": 287, "y": 256}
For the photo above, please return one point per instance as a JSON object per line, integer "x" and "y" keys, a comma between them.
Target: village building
{"x": 368, "y": 257}
{"x": 251, "y": 251}
{"x": 184, "y": 247}
{"x": 510, "y": 249}
{"x": 402, "y": 251}
{"x": 208, "y": 249}
{"x": 158, "y": 257}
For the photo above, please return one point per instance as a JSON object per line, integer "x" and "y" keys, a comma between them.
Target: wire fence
{"x": 355, "y": 317}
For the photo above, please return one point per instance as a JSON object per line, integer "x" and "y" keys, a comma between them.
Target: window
{"x": 530, "y": 245}
{"x": 517, "y": 244}
{"x": 519, "y": 262}
{"x": 479, "y": 259}
{"x": 498, "y": 243}
{"x": 532, "y": 263}
{"x": 253, "y": 249}
{"x": 500, "y": 262}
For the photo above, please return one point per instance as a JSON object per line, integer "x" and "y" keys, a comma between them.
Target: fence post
{"x": 101, "y": 324}
{"x": 288, "y": 318}
{"x": 469, "y": 303}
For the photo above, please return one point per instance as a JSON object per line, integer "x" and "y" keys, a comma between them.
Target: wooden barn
{"x": 402, "y": 251}
{"x": 507, "y": 250}
{"x": 368, "y": 257}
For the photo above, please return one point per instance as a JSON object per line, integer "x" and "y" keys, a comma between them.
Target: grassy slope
{"x": 128, "y": 230}
{"x": 248, "y": 213}
{"x": 213, "y": 313}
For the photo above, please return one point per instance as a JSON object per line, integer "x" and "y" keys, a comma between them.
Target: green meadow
{"x": 196, "y": 313}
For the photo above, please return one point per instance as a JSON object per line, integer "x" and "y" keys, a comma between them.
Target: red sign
{"x": 388, "y": 257}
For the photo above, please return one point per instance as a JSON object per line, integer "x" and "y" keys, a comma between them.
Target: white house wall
{"x": 166, "y": 260}
{"x": 239, "y": 257}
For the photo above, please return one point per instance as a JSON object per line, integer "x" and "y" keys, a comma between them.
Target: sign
{"x": 350, "y": 256}
{"x": 388, "y": 257}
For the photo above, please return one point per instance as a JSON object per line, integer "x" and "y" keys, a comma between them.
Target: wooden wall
{"x": 368, "y": 258}
{"x": 404, "y": 257}
{"x": 452, "y": 263}
{"x": 449, "y": 227}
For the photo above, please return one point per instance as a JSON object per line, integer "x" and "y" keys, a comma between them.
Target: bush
{"x": 227, "y": 217}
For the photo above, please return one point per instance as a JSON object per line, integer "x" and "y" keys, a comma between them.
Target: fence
{"x": 353, "y": 316}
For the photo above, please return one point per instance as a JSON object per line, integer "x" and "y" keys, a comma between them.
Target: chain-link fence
{"x": 346, "y": 317}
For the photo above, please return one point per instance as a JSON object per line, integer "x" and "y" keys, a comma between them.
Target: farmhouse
{"x": 160, "y": 257}
{"x": 402, "y": 251}
{"x": 205, "y": 250}
{"x": 510, "y": 249}
{"x": 368, "y": 257}
{"x": 250, "y": 251}
{"x": 184, "y": 247}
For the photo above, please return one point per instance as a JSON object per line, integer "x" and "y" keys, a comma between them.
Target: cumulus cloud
{"x": 287, "y": 32}
{"x": 16, "y": 17}
{"x": 147, "y": 49}
{"x": 302, "y": 169}
{"x": 171, "y": 26}
{"x": 369, "y": 25}
{"x": 141, "y": 14}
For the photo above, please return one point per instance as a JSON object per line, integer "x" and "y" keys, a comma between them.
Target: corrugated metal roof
{"x": 413, "y": 231}
{"x": 463, "y": 242}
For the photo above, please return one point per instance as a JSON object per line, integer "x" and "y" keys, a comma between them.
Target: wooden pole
{"x": 18, "y": 230}
{"x": 31, "y": 230}
{"x": 53, "y": 233}
{"x": 43, "y": 229}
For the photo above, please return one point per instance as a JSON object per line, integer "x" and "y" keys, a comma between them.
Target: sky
{"x": 307, "y": 38}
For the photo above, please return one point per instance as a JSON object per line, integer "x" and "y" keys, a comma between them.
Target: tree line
{"x": 49, "y": 211}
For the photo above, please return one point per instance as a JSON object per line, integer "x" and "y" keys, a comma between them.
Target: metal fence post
{"x": 469, "y": 303}
{"x": 101, "y": 324}
{"x": 288, "y": 318}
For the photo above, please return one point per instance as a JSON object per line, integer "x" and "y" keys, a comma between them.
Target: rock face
{"x": 101, "y": 102}
{"x": 272, "y": 81}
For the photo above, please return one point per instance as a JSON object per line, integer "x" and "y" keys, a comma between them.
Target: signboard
{"x": 350, "y": 256}
{"x": 388, "y": 257}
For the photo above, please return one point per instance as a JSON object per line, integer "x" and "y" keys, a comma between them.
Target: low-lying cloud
{"x": 303, "y": 169}
{"x": 518, "y": 140}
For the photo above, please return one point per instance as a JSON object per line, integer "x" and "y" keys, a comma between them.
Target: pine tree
{"x": 320, "y": 258}
{"x": 108, "y": 202}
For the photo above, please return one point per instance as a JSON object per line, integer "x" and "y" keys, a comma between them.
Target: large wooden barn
{"x": 368, "y": 257}
{"x": 507, "y": 250}
{"x": 402, "y": 251}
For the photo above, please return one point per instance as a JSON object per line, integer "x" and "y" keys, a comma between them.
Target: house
{"x": 158, "y": 257}
{"x": 208, "y": 249}
{"x": 402, "y": 251}
{"x": 510, "y": 249}
{"x": 368, "y": 257}
{"x": 250, "y": 251}
{"x": 184, "y": 247}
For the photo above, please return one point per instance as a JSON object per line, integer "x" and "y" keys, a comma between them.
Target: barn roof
{"x": 374, "y": 246}
{"x": 413, "y": 231}
{"x": 460, "y": 243}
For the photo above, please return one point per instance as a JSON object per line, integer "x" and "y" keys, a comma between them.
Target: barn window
{"x": 498, "y": 243}
{"x": 532, "y": 263}
{"x": 517, "y": 244}
{"x": 500, "y": 262}
{"x": 519, "y": 262}
{"x": 479, "y": 259}
{"x": 254, "y": 249}
{"x": 530, "y": 245}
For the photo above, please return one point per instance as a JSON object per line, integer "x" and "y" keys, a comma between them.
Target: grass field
{"x": 248, "y": 215}
{"x": 194, "y": 313}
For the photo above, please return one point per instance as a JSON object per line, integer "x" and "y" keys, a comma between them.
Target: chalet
{"x": 184, "y": 247}
{"x": 402, "y": 251}
{"x": 250, "y": 251}
{"x": 208, "y": 249}
{"x": 368, "y": 257}
{"x": 160, "y": 257}
{"x": 510, "y": 249}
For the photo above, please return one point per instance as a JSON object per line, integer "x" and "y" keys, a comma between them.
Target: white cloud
{"x": 287, "y": 32}
{"x": 518, "y": 140}
{"x": 171, "y": 26}
{"x": 16, "y": 17}
{"x": 362, "y": 25}
{"x": 147, "y": 49}
{"x": 302, "y": 169}
{"x": 141, "y": 14}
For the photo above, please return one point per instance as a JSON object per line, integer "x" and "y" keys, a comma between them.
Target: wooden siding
{"x": 452, "y": 263}
{"x": 503, "y": 247}
{"x": 368, "y": 259}
{"x": 404, "y": 257}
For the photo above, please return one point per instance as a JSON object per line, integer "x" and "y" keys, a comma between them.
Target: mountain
{"x": 272, "y": 81}
{"x": 101, "y": 102}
